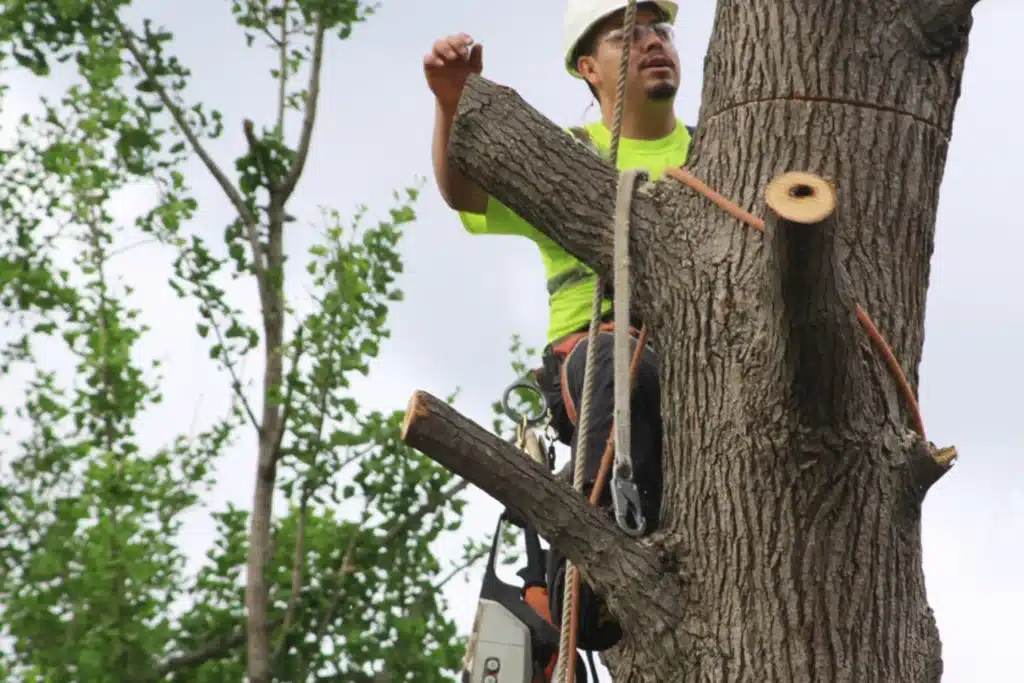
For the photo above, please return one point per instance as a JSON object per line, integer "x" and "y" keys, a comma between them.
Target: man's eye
{"x": 663, "y": 31}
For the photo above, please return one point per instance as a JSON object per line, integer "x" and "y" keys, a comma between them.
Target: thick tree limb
{"x": 629, "y": 575}
{"x": 943, "y": 24}
{"x": 812, "y": 300}
{"x": 539, "y": 171}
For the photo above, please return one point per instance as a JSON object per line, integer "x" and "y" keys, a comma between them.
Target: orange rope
{"x": 734, "y": 209}
{"x": 686, "y": 178}
{"x": 738, "y": 212}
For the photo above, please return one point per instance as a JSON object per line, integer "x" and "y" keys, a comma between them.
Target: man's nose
{"x": 649, "y": 39}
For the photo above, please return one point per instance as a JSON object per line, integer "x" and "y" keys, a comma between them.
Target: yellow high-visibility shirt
{"x": 571, "y": 304}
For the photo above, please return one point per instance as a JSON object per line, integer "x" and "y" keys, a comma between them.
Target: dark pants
{"x": 565, "y": 397}
{"x": 563, "y": 388}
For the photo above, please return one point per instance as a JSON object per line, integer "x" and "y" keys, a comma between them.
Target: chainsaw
{"x": 513, "y": 640}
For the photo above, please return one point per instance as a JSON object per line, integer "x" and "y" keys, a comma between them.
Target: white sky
{"x": 466, "y": 296}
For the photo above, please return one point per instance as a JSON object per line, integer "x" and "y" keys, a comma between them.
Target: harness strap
{"x": 563, "y": 349}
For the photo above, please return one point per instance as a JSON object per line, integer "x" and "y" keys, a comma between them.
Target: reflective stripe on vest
{"x": 580, "y": 273}
{"x": 569, "y": 278}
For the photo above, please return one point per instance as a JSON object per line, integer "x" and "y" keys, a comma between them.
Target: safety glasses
{"x": 663, "y": 30}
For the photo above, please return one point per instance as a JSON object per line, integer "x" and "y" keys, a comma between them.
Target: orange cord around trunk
{"x": 688, "y": 179}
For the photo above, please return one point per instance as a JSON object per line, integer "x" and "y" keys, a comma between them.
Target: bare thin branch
{"x": 461, "y": 567}
{"x": 282, "y": 77}
{"x": 247, "y": 217}
{"x": 289, "y": 399}
{"x": 179, "y": 118}
{"x": 309, "y": 119}
{"x": 236, "y": 382}
{"x": 217, "y": 648}
{"x": 344, "y": 569}
{"x": 332, "y": 607}
{"x": 427, "y": 508}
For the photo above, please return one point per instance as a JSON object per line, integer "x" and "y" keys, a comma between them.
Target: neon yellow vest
{"x": 570, "y": 282}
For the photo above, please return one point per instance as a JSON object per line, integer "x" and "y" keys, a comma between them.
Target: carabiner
{"x": 515, "y": 415}
{"x": 626, "y": 501}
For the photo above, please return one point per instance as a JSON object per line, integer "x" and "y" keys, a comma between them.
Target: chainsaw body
{"x": 501, "y": 647}
{"x": 513, "y": 640}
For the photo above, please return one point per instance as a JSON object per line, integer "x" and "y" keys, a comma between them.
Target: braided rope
{"x": 570, "y": 601}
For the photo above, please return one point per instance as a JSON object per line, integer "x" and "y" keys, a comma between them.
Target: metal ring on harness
{"x": 515, "y": 415}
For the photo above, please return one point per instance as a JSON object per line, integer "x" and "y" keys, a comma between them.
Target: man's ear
{"x": 587, "y": 66}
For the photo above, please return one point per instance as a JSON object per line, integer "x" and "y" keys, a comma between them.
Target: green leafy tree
{"x": 332, "y": 574}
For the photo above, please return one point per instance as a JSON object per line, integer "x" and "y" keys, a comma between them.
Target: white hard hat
{"x": 583, "y": 15}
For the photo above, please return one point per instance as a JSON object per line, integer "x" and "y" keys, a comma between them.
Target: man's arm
{"x": 458, "y": 191}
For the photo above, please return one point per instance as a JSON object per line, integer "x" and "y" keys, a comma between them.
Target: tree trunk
{"x": 794, "y": 468}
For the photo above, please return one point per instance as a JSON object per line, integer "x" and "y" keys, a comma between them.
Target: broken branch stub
{"x": 812, "y": 300}
{"x": 616, "y": 565}
{"x": 926, "y": 464}
{"x": 943, "y": 24}
{"x": 529, "y": 164}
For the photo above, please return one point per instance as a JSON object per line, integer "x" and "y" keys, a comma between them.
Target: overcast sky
{"x": 466, "y": 296}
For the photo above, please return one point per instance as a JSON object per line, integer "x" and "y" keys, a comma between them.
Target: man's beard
{"x": 662, "y": 91}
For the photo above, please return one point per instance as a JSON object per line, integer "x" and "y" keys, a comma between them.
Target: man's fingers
{"x": 446, "y": 51}
{"x": 453, "y": 47}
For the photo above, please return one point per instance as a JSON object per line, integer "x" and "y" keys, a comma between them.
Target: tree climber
{"x": 652, "y": 139}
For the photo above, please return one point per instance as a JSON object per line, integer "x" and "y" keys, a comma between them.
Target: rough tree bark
{"x": 790, "y": 549}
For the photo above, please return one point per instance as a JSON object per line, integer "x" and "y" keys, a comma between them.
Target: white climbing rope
{"x": 621, "y": 354}
{"x": 566, "y": 666}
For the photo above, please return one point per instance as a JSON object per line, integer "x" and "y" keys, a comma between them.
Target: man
{"x": 652, "y": 138}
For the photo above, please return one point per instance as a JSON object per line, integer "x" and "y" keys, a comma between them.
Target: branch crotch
{"x": 629, "y": 573}
{"x": 811, "y": 301}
